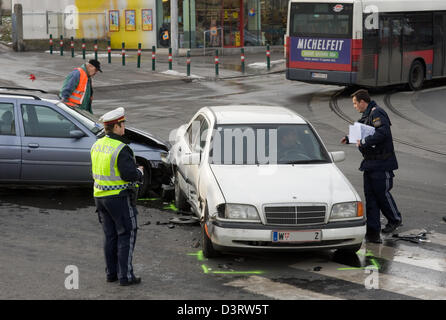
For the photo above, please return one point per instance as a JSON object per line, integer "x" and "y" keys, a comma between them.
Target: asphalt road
{"x": 45, "y": 230}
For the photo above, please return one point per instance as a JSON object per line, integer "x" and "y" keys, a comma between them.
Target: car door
{"x": 187, "y": 146}
{"x": 10, "y": 141}
{"x": 49, "y": 152}
{"x": 193, "y": 170}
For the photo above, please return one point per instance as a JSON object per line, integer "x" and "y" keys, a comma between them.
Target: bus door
{"x": 439, "y": 44}
{"x": 390, "y": 50}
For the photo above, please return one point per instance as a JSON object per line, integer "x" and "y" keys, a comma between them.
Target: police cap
{"x": 114, "y": 116}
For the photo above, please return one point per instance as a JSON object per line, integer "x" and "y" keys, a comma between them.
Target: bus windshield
{"x": 323, "y": 20}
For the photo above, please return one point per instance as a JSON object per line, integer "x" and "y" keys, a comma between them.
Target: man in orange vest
{"x": 77, "y": 90}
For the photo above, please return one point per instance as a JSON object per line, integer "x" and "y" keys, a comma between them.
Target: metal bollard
{"x": 153, "y": 57}
{"x": 268, "y": 58}
{"x": 242, "y": 58}
{"x": 170, "y": 58}
{"x": 83, "y": 48}
{"x": 123, "y": 53}
{"x": 61, "y": 45}
{"x": 109, "y": 51}
{"x": 72, "y": 47}
{"x": 139, "y": 55}
{"x": 96, "y": 49}
{"x": 216, "y": 62}
{"x": 188, "y": 63}
{"x": 51, "y": 44}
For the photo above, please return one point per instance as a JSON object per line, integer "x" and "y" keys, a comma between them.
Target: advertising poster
{"x": 130, "y": 20}
{"x": 147, "y": 24}
{"x": 319, "y": 50}
{"x": 113, "y": 16}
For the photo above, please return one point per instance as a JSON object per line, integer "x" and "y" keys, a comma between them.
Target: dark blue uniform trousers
{"x": 118, "y": 219}
{"x": 377, "y": 186}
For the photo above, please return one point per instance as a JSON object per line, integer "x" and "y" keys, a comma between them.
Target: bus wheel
{"x": 416, "y": 76}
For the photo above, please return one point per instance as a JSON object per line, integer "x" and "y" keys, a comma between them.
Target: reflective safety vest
{"x": 77, "y": 96}
{"x": 104, "y": 161}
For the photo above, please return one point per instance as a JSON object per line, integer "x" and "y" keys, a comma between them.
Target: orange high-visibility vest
{"x": 77, "y": 96}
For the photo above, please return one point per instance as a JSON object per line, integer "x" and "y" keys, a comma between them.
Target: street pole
{"x": 174, "y": 27}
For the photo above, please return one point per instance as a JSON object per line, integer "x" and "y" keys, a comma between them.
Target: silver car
{"x": 43, "y": 141}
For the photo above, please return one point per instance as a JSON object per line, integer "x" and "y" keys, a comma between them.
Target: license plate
{"x": 319, "y": 75}
{"x": 297, "y": 236}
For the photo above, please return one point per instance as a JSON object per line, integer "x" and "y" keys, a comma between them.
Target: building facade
{"x": 201, "y": 23}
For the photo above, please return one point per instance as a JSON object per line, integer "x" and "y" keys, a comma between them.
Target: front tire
{"x": 143, "y": 189}
{"x": 180, "y": 199}
{"x": 208, "y": 247}
{"x": 350, "y": 250}
{"x": 416, "y": 76}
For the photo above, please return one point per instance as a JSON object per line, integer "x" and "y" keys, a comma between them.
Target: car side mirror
{"x": 76, "y": 134}
{"x": 338, "y": 156}
{"x": 191, "y": 158}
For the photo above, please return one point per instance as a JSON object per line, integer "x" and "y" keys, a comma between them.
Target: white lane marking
{"x": 385, "y": 282}
{"x": 277, "y": 290}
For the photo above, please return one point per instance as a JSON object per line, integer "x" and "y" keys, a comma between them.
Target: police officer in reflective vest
{"x": 115, "y": 175}
{"x": 77, "y": 89}
{"x": 378, "y": 165}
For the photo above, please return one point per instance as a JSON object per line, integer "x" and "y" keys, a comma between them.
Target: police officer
{"x": 115, "y": 175}
{"x": 378, "y": 165}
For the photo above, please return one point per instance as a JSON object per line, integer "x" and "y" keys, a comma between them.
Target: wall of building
{"x": 5, "y": 5}
{"x": 92, "y": 21}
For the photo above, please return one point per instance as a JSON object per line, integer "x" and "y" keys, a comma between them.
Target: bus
{"x": 370, "y": 43}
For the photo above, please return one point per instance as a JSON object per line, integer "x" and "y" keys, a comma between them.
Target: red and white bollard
{"x": 216, "y": 62}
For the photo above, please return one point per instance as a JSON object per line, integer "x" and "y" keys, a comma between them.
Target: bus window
{"x": 417, "y": 32}
{"x": 321, "y": 20}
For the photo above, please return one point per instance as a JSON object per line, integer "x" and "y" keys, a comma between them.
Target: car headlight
{"x": 346, "y": 210}
{"x": 240, "y": 212}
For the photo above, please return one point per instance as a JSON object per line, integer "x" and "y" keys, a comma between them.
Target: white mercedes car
{"x": 259, "y": 177}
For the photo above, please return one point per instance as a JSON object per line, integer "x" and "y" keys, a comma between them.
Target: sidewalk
{"x": 50, "y": 70}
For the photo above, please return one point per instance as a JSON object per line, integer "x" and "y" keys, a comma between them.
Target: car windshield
{"x": 85, "y": 117}
{"x": 266, "y": 144}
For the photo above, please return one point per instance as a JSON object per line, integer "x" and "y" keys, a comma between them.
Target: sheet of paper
{"x": 359, "y": 131}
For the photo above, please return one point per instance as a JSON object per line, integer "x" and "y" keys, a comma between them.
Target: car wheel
{"x": 350, "y": 250}
{"x": 180, "y": 200}
{"x": 206, "y": 242}
{"x": 144, "y": 186}
{"x": 416, "y": 76}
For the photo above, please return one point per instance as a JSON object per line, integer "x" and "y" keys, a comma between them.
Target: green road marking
{"x": 149, "y": 199}
{"x": 369, "y": 253}
{"x": 205, "y": 269}
{"x": 238, "y": 272}
{"x": 199, "y": 255}
{"x": 171, "y": 207}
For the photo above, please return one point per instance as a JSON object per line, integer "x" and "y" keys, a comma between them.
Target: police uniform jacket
{"x": 377, "y": 149}
{"x": 126, "y": 165}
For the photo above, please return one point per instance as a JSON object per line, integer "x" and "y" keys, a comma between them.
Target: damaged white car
{"x": 259, "y": 177}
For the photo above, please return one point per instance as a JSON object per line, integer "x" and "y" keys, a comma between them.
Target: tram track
{"x": 334, "y": 106}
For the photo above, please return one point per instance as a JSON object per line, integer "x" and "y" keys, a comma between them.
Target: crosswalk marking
{"x": 385, "y": 282}
{"x": 276, "y": 290}
{"x": 371, "y": 258}
{"x": 411, "y": 255}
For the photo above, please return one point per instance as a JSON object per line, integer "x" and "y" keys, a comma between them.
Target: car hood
{"x": 144, "y": 138}
{"x": 257, "y": 185}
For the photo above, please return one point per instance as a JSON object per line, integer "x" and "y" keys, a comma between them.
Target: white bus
{"x": 371, "y": 43}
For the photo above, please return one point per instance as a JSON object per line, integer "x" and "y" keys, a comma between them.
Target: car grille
{"x": 295, "y": 215}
